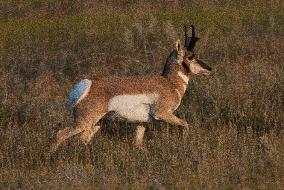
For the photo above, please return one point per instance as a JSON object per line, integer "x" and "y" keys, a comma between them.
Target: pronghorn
{"x": 137, "y": 98}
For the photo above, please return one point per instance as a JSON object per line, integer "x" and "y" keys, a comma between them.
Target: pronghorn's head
{"x": 186, "y": 57}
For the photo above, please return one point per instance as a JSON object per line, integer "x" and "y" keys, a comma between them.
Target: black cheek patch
{"x": 185, "y": 66}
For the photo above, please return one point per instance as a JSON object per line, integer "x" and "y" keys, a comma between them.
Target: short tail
{"x": 78, "y": 93}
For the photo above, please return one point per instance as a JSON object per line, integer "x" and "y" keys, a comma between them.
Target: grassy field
{"x": 236, "y": 137}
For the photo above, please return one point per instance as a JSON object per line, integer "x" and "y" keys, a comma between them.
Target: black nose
{"x": 209, "y": 69}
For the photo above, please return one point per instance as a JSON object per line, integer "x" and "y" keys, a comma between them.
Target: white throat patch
{"x": 184, "y": 87}
{"x": 179, "y": 99}
{"x": 183, "y": 77}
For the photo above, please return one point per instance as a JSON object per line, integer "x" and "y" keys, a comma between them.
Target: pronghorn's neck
{"x": 179, "y": 78}
{"x": 170, "y": 62}
{"x": 176, "y": 73}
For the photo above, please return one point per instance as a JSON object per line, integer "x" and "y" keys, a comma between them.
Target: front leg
{"x": 172, "y": 119}
{"x": 139, "y": 135}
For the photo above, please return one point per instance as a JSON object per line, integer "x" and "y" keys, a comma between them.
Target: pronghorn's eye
{"x": 190, "y": 55}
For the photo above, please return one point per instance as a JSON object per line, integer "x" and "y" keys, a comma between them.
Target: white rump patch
{"x": 183, "y": 77}
{"x": 133, "y": 107}
{"x": 79, "y": 92}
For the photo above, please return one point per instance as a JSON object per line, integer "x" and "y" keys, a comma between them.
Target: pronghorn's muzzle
{"x": 206, "y": 69}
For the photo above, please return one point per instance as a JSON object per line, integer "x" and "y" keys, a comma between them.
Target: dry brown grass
{"x": 236, "y": 139}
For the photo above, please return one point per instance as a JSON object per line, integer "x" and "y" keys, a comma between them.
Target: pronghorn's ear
{"x": 178, "y": 46}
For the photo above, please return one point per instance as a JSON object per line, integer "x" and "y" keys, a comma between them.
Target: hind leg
{"x": 64, "y": 134}
{"x": 87, "y": 135}
{"x": 82, "y": 123}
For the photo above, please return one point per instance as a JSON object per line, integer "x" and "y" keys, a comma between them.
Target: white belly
{"x": 133, "y": 107}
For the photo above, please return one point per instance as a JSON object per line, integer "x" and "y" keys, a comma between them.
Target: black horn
{"x": 192, "y": 40}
